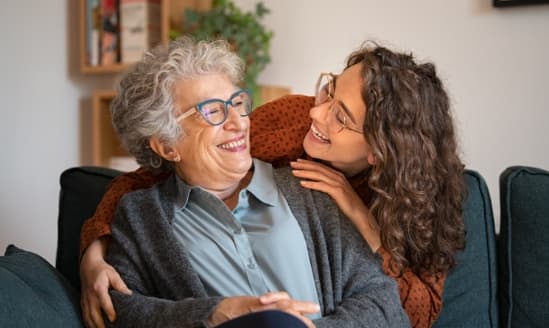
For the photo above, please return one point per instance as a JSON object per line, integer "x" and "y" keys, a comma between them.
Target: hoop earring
{"x": 156, "y": 162}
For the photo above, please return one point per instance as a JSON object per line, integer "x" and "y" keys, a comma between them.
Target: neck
{"x": 222, "y": 190}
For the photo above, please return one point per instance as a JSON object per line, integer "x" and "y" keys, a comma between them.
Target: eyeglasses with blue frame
{"x": 215, "y": 111}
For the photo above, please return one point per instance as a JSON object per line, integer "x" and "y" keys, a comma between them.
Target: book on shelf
{"x": 109, "y": 32}
{"x": 139, "y": 28}
{"x": 93, "y": 28}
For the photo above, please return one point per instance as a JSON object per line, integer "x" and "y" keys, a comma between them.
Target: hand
{"x": 97, "y": 276}
{"x": 233, "y": 307}
{"x": 282, "y": 301}
{"x": 322, "y": 178}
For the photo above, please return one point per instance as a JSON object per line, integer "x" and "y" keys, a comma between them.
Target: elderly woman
{"x": 225, "y": 235}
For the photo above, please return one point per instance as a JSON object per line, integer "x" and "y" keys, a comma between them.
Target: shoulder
{"x": 142, "y": 202}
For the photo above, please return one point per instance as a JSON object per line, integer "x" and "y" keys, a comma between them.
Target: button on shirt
{"x": 256, "y": 248}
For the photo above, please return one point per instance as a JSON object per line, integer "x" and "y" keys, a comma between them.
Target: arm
{"x": 140, "y": 256}
{"x": 169, "y": 291}
{"x": 369, "y": 298}
{"x": 421, "y": 296}
{"x": 96, "y": 275}
{"x": 99, "y": 224}
{"x": 278, "y": 128}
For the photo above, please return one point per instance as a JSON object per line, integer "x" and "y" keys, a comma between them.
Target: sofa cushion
{"x": 524, "y": 247}
{"x": 81, "y": 190}
{"x": 469, "y": 298}
{"x": 34, "y": 294}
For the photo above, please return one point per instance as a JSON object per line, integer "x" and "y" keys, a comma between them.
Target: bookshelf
{"x": 171, "y": 15}
{"x": 105, "y": 148}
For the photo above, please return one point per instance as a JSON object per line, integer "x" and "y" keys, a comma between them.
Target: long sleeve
{"x": 421, "y": 296}
{"x": 353, "y": 290}
{"x": 99, "y": 224}
{"x": 278, "y": 128}
{"x": 166, "y": 291}
{"x": 369, "y": 298}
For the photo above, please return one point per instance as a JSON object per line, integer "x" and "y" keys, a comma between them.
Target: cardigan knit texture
{"x": 167, "y": 292}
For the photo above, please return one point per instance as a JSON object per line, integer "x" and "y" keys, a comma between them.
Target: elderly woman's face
{"x": 211, "y": 156}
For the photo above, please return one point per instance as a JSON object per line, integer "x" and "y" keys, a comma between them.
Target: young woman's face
{"x": 335, "y": 135}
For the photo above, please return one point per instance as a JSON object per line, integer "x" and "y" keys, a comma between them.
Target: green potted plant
{"x": 243, "y": 30}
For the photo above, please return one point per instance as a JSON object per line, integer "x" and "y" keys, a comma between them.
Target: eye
{"x": 340, "y": 116}
{"x": 213, "y": 108}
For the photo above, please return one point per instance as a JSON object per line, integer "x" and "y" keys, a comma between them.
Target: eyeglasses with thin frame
{"x": 325, "y": 89}
{"x": 215, "y": 111}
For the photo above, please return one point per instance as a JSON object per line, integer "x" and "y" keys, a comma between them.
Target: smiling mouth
{"x": 233, "y": 145}
{"x": 318, "y": 135}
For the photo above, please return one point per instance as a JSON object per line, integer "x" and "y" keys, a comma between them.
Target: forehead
{"x": 192, "y": 91}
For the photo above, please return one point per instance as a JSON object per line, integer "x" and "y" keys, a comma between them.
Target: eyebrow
{"x": 346, "y": 110}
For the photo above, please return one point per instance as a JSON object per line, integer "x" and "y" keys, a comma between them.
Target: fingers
{"x": 119, "y": 284}
{"x": 312, "y": 171}
{"x": 95, "y": 294}
{"x": 96, "y": 317}
{"x": 86, "y": 312}
{"x": 319, "y": 168}
{"x": 272, "y": 297}
{"x": 91, "y": 312}
{"x": 106, "y": 305}
{"x": 282, "y": 301}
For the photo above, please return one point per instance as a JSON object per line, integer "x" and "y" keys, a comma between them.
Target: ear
{"x": 372, "y": 160}
{"x": 161, "y": 149}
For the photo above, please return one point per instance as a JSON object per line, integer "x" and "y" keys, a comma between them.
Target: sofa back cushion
{"x": 34, "y": 294}
{"x": 469, "y": 298}
{"x": 81, "y": 190}
{"x": 524, "y": 247}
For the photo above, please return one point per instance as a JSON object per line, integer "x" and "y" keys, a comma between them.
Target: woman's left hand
{"x": 317, "y": 176}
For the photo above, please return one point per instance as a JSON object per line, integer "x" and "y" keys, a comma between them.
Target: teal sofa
{"x": 477, "y": 293}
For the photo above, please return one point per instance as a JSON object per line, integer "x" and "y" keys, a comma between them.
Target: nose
{"x": 234, "y": 120}
{"x": 319, "y": 113}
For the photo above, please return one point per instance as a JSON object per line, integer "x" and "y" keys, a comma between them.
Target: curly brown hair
{"x": 417, "y": 182}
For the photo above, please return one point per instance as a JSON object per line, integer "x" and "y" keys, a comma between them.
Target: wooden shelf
{"x": 171, "y": 16}
{"x": 105, "y": 142}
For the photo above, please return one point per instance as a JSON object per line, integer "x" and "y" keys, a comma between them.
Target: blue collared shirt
{"x": 256, "y": 248}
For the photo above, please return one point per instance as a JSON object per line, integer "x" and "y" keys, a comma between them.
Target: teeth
{"x": 319, "y": 135}
{"x": 233, "y": 144}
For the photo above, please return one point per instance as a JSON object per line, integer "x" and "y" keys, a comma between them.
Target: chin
{"x": 312, "y": 151}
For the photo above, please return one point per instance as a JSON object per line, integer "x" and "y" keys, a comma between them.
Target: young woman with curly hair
{"x": 379, "y": 139}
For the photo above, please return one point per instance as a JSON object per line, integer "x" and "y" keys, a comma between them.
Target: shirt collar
{"x": 262, "y": 185}
{"x": 183, "y": 192}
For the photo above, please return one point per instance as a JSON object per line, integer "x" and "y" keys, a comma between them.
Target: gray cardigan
{"x": 167, "y": 292}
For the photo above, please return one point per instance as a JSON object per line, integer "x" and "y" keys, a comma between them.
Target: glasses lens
{"x": 324, "y": 89}
{"x": 242, "y": 103}
{"x": 340, "y": 118}
{"x": 213, "y": 112}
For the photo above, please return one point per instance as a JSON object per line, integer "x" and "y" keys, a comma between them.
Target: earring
{"x": 156, "y": 162}
{"x": 177, "y": 158}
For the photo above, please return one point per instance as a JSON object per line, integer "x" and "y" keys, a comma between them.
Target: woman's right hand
{"x": 96, "y": 277}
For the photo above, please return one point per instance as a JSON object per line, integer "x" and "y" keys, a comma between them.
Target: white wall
{"x": 494, "y": 63}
